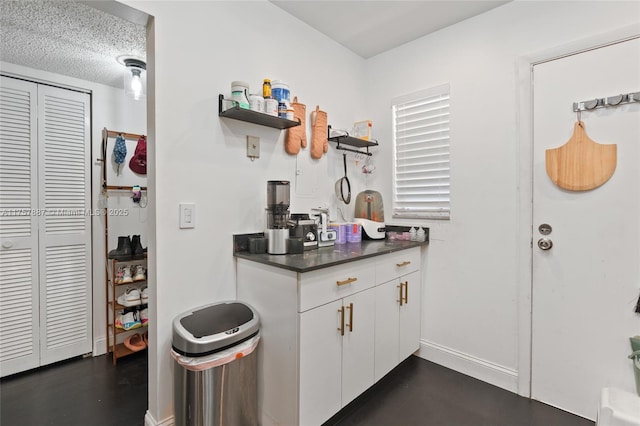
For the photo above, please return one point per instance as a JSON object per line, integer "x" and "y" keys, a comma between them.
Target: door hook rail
{"x": 610, "y": 101}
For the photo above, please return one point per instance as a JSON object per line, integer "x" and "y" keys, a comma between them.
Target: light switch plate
{"x": 253, "y": 147}
{"x": 187, "y": 215}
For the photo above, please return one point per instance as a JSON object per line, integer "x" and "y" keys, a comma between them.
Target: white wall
{"x": 200, "y": 48}
{"x": 470, "y": 317}
{"x": 110, "y": 109}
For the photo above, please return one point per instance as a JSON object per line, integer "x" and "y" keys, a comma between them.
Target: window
{"x": 421, "y": 154}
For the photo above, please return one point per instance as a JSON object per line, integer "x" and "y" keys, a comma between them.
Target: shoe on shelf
{"x": 123, "y": 252}
{"x": 139, "y": 273}
{"x": 130, "y": 297}
{"x": 127, "y": 321}
{"x": 144, "y": 295}
{"x": 119, "y": 322}
{"x": 136, "y": 247}
{"x": 119, "y": 275}
{"x": 126, "y": 275}
{"x": 145, "y": 338}
{"x": 135, "y": 343}
{"x": 144, "y": 316}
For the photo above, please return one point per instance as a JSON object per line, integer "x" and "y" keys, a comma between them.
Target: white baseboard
{"x": 150, "y": 421}
{"x": 497, "y": 375}
{"x": 99, "y": 346}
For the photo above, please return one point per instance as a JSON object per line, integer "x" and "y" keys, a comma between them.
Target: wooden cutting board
{"x": 581, "y": 164}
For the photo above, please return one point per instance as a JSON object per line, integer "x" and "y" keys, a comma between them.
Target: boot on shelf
{"x": 136, "y": 247}
{"x": 123, "y": 252}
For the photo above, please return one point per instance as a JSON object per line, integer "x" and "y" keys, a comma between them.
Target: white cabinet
{"x": 336, "y": 343}
{"x": 358, "y": 344}
{"x": 410, "y": 311}
{"x": 323, "y": 331}
{"x": 398, "y": 308}
{"x": 336, "y": 338}
{"x": 397, "y": 322}
{"x": 320, "y": 363}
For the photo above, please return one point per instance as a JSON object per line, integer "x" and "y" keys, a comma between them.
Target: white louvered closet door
{"x": 45, "y": 232}
{"x": 19, "y": 291}
{"x": 65, "y": 229}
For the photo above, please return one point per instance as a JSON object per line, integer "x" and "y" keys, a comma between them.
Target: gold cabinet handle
{"x": 347, "y": 281}
{"x": 406, "y": 292}
{"x": 405, "y": 263}
{"x": 350, "y": 325}
{"x": 341, "y": 329}
{"x": 401, "y": 300}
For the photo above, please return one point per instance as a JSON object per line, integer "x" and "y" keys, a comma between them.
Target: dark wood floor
{"x": 78, "y": 392}
{"x": 92, "y": 391}
{"x": 422, "y": 393}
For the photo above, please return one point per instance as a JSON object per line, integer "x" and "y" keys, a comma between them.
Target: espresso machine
{"x": 277, "y": 232}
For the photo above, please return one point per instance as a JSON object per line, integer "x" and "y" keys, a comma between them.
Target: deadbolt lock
{"x": 545, "y": 229}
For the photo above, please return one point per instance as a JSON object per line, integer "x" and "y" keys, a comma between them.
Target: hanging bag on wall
{"x": 138, "y": 162}
{"x": 119, "y": 152}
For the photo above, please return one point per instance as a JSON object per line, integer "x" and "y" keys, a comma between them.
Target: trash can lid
{"x": 215, "y": 327}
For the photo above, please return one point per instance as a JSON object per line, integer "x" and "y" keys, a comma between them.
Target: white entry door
{"x": 586, "y": 285}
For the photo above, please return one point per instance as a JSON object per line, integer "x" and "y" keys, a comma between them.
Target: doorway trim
{"x": 524, "y": 158}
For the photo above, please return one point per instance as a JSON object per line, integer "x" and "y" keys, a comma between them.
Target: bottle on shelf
{"x": 266, "y": 89}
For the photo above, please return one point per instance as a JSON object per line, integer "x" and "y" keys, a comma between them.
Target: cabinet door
{"x": 358, "y": 344}
{"x": 410, "y": 319}
{"x": 386, "y": 327}
{"x": 320, "y": 363}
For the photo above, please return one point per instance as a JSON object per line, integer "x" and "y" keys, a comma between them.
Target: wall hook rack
{"x": 610, "y": 101}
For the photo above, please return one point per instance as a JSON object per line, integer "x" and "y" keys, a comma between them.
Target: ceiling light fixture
{"x": 135, "y": 78}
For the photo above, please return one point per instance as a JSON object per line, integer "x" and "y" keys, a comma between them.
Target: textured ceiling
{"x": 68, "y": 38}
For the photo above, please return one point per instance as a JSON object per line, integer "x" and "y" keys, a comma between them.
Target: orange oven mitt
{"x": 319, "y": 142}
{"x": 297, "y": 136}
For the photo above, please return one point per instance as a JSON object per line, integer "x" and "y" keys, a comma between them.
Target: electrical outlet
{"x": 253, "y": 147}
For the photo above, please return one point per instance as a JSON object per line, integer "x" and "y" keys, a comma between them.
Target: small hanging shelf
{"x": 345, "y": 139}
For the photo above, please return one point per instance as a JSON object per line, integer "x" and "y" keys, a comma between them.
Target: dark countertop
{"x": 325, "y": 257}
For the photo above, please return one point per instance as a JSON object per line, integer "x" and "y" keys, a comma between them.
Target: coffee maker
{"x": 277, "y": 231}
{"x": 302, "y": 226}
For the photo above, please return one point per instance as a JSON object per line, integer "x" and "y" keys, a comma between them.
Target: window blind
{"x": 421, "y": 154}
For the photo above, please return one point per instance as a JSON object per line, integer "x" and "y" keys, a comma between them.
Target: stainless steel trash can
{"x": 215, "y": 365}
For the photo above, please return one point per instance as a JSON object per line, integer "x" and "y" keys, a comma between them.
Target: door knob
{"x": 545, "y": 244}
